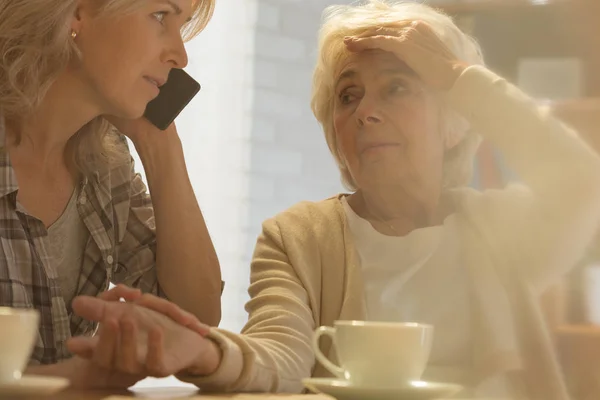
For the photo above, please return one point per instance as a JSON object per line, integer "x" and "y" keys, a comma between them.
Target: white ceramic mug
{"x": 18, "y": 332}
{"x": 377, "y": 353}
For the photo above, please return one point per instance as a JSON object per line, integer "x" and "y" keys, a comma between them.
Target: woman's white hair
{"x": 350, "y": 20}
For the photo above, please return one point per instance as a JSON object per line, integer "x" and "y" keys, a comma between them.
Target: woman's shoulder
{"x": 314, "y": 211}
{"x": 309, "y": 217}
{"x": 307, "y": 232}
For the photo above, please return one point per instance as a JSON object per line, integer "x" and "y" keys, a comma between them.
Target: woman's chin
{"x": 133, "y": 112}
{"x": 127, "y": 112}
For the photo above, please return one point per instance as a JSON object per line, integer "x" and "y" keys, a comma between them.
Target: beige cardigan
{"x": 305, "y": 272}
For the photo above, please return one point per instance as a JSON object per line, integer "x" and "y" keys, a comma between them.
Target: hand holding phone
{"x": 174, "y": 96}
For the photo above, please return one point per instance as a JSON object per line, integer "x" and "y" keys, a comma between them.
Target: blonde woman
{"x": 403, "y": 99}
{"x": 74, "y": 215}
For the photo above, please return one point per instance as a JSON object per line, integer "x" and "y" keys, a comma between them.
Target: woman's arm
{"x": 550, "y": 228}
{"x": 274, "y": 352}
{"x": 187, "y": 268}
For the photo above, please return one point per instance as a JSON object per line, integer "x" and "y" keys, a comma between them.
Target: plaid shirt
{"x": 116, "y": 209}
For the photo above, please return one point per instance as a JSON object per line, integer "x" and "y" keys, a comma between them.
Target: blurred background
{"x": 253, "y": 147}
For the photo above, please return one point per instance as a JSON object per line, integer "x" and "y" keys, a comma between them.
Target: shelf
{"x": 588, "y": 331}
{"x": 588, "y": 104}
{"x": 475, "y": 6}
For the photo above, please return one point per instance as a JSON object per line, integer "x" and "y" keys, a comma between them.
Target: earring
{"x": 73, "y": 34}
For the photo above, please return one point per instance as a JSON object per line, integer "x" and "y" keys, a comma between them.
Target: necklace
{"x": 378, "y": 219}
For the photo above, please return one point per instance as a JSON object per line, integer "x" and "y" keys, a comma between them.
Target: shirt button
{"x": 82, "y": 200}
{"x": 109, "y": 259}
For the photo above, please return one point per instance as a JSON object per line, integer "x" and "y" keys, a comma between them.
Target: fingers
{"x": 82, "y": 346}
{"x": 108, "y": 340}
{"x": 398, "y": 29}
{"x": 174, "y": 312}
{"x": 166, "y": 307}
{"x": 114, "y": 347}
{"x": 90, "y": 308}
{"x": 398, "y": 41}
{"x": 155, "y": 357}
{"x": 384, "y": 31}
{"x": 391, "y": 44}
{"x": 127, "y": 359}
{"x": 200, "y": 328}
{"x": 121, "y": 292}
{"x": 388, "y": 38}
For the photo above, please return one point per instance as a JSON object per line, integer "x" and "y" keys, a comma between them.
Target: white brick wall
{"x": 291, "y": 159}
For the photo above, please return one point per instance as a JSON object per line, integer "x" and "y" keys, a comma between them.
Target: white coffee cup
{"x": 381, "y": 354}
{"x": 18, "y": 332}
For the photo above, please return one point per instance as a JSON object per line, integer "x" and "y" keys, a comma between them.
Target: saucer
{"x": 30, "y": 385}
{"x": 417, "y": 390}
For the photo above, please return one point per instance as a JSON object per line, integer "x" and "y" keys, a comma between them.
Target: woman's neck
{"x": 395, "y": 212}
{"x": 44, "y": 134}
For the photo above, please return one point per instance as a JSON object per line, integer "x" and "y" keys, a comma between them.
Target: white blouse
{"x": 421, "y": 277}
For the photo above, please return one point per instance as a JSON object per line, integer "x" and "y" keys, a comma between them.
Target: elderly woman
{"x": 74, "y": 214}
{"x": 402, "y": 96}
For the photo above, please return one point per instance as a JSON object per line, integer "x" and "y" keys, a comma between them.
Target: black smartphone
{"x": 174, "y": 95}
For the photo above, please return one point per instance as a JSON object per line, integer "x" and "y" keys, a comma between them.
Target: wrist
{"x": 160, "y": 152}
{"x": 157, "y": 143}
{"x": 457, "y": 70}
{"x": 207, "y": 361}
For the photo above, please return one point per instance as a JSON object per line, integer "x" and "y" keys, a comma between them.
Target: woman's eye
{"x": 346, "y": 97}
{"x": 398, "y": 88}
{"x": 160, "y": 16}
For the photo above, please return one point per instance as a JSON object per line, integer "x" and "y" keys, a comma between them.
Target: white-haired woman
{"x": 402, "y": 98}
{"x": 74, "y": 215}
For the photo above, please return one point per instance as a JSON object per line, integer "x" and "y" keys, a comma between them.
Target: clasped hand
{"x": 143, "y": 336}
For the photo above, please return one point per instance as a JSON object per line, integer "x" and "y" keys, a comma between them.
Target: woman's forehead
{"x": 371, "y": 61}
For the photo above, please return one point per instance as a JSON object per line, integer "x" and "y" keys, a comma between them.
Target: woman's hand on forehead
{"x": 416, "y": 44}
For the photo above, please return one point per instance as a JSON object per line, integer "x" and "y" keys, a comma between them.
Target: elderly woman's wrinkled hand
{"x": 165, "y": 307}
{"x": 419, "y": 47}
{"x": 135, "y": 339}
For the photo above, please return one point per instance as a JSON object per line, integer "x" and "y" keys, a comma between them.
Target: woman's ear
{"x": 453, "y": 126}
{"x": 453, "y": 137}
{"x": 82, "y": 12}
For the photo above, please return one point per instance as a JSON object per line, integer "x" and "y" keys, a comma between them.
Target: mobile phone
{"x": 174, "y": 95}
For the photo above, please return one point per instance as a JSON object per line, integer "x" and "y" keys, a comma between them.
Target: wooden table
{"x": 174, "y": 394}
{"x": 579, "y": 350}
{"x": 168, "y": 393}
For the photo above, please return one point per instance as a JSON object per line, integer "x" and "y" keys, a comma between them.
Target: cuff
{"x": 229, "y": 369}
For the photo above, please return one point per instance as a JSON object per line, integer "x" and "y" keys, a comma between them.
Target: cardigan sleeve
{"x": 544, "y": 230}
{"x": 274, "y": 352}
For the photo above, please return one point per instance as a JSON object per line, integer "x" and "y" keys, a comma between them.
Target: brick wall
{"x": 289, "y": 159}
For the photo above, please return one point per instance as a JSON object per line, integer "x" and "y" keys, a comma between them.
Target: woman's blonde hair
{"x": 36, "y": 46}
{"x": 341, "y": 21}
